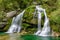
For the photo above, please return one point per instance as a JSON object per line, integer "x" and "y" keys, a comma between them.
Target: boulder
{"x": 11, "y": 14}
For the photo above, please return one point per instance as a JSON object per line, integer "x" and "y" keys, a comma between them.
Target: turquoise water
{"x": 4, "y": 36}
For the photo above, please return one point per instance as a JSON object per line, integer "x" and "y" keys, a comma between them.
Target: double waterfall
{"x": 17, "y": 23}
{"x": 45, "y": 31}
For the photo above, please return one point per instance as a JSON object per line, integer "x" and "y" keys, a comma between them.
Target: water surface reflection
{"x": 17, "y": 36}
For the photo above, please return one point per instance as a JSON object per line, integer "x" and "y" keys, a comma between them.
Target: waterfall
{"x": 46, "y": 29}
{"x": 39, "y": 20}
{"x": 16, "y": 23}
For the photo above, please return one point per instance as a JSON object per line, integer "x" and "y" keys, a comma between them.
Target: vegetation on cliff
{"x": 52, "y": 8}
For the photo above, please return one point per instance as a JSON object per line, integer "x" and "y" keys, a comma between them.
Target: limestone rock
{"x": 11, "y": 14}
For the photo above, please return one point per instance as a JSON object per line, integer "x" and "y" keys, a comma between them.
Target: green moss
{"x": 55, "y": 20}
{"x": 52, "y": 8}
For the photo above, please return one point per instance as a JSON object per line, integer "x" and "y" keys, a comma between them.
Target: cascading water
{"x": 46, "y": 29}
{"x": 39, "y": 21}
{"x": 16, "y": 23}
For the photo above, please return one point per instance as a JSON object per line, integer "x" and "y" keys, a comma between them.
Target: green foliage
{"x": 24, "y": 3}
{"x": 52, "y": 8}
{"x": 55, "y": 20}
{"x": 8, "y": 24}
{"x": 2, "y": 14}
{"x": 56, "y": 16}
{"x": 25, "y": 25}
{"x": 29, "y": 13}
